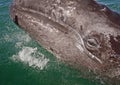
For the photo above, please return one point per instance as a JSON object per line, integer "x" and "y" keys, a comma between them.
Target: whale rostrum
{"x": 78, "y": 32}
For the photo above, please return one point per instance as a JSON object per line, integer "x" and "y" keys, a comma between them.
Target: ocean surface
{"x": 24, "y": 62}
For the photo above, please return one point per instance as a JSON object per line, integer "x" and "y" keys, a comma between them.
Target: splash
{"x": 31, "y": 57}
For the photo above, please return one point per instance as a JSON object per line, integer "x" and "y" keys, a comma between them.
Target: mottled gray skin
{"x": 78, "y": 32}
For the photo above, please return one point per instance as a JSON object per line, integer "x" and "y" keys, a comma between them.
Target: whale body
{"x": 78, "y": 32}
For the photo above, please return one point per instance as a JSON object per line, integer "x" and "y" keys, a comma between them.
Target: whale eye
{"x": 91, "y": 42}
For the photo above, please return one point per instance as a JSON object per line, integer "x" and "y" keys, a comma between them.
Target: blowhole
{"x": 16, "y": 20}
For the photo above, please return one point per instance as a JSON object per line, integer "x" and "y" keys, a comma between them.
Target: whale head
{"x": 78, "y": 32}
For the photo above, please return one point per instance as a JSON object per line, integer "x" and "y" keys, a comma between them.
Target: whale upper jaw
{"x": 63, "y": 40}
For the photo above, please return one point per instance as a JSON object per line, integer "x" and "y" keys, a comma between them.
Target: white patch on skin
{"x": 51, "y": 28}
{"x": 62, "y": 12}
{"x": 79, "y": 47}
{"x": 58, "y": 1}
{"x": 42, "y": 24}
{"x": 69, "y": 12}
{"x": 49, "y": 17}
{"x": 104, "y": 9}
{"x": 94, "y": 57}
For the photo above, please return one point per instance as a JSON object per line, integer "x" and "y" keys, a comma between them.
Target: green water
{"x": 24, "y": 62}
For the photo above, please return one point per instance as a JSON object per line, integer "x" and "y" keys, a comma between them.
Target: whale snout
{"x": 75, "y": 31}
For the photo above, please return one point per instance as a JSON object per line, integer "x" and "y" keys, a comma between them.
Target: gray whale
{"x": 78, "y": 32}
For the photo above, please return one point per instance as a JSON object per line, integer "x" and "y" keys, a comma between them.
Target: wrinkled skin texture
{"x": 78, "y": 32}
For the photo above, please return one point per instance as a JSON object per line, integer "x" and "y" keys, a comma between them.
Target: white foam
{"x": 19, "y": 44}
{"x": 32, "y": 57}
{"x": 17, "y": 36}
{"x": 23, "y": 37}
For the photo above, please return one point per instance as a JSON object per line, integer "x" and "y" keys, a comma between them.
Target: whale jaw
{"x": 70, "y": 36}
